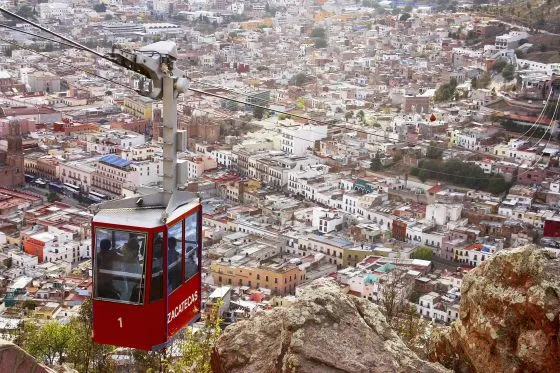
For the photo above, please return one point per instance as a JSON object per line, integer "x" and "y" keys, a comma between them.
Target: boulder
{"x": 325, "y": 330}
{"x": 15, "y": 360}
{"x": 509, "y": 316}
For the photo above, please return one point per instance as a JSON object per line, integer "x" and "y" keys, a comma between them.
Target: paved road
{"x": 44, "y": 192}
{"x": 440, "y": 263}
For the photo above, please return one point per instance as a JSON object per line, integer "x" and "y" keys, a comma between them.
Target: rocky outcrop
{"x": 509, "y": 316}
{"x": 325, "y": 330}
{"x": 15, "y": 360}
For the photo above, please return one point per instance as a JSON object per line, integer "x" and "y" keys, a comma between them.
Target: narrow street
{"x": 44, "y": 192}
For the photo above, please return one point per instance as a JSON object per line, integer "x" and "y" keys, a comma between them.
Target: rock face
{"x": 15, "y": 360}
{"x": 324, "y": 331}
{"x": 509, "y": 317}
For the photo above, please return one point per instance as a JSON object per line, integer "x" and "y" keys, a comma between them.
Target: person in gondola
{"x": 156, "y": 289}
{"x": 106, "y": 260}
{"x": 173, "y": 264}
{"x": 191, "y": 263}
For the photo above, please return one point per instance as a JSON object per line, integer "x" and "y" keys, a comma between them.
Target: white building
{"x": 24, "y": 260}
{"x": 145, "y": 172}
{"x": 162, "y": 28}
{"x": 54, "y": 10}
{"x": 326, "y": 220}
{"x": 441, "y": 214}
{"x": 223, "y": 157}
{"x": 299, "y": 139}
{"x": 66, "y": 250}
{"x": 438, "y": 307}
{"x": 510, "y": 40}
{"x": 298, "y": 178}
{"x": 113, "y": 141}
{"x": 197, "y": 165}
{"x": 77, "y": 173}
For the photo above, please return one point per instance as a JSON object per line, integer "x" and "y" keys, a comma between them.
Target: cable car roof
{"x": 141, "y": 217}
{"x": 149, "y": 211}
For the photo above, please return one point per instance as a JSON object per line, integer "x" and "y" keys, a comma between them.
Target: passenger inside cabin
{"x": 191, "y": 264}
{"x": 156, "y": 288}
{"x": 174, "y": 264}
{"x": 106, "y": 257}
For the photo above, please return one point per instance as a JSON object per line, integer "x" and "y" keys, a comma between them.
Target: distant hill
{"x": 535, "y": 14}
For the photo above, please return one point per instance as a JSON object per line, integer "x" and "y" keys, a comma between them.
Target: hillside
{"x": 535, "y": 14}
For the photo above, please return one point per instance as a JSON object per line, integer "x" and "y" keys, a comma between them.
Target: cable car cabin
{"x": 146, "y": 264}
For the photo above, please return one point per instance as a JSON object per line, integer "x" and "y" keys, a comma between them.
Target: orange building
{"x": 35, "y": 244}
{"x": 399, "y": 230}
{"x": 281, "y": 279}
{"x": 254, "y": 24}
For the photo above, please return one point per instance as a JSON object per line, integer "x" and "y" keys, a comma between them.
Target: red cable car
{"x": 147, "y": 250}
{"x": 139, "y": 301}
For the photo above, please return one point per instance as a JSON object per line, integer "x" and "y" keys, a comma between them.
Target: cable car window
{"x": 191, "y": 246}
{"x": 156, "y": 287}
{"x": 174, "y": 256}
{"x": 120, "y": 265}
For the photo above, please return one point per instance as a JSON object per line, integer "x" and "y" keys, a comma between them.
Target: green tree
{"x": 348, "y": 115}
{"x": 361, "y": 116}
{"x": 300, "y": 103}
{"x": 29, "y": 304}
{"x": 446, "y": 92}
{"x": 100, "y": 8}
{"x": 53, "y": 196}
{"x": 404, "y": 17}
{"x": 49, "y": 343}
{"x": 258, "y": 112}
{"x": 376, "y": 164}
{"x": 86, "y": 355}
{"x": 197, "y": 346}
{"x": 26, "y": 12}
{"x": 507, "y": 72}
{"x": 499, "y": 66}
{"x": 320, "y": 43}
{"x": 150, "y": 361}
{"x": 391, "y": 300}
{"x": 483, "y": 81}
{"x": 270, "y": 10}
{"x": 433, "y": 152}
{"x": 411, "y": 327}
{"x": 424, "y": 253}
{"x": 299, "y": 79}
{"x": 368, "y": 3}
{"x": 460, "y": 173}
{"x": 318, "y": 32}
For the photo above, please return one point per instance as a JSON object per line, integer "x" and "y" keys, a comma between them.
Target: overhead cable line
{"x": 68, "y": 64}
{"x": 82, "y": 47}
{"x": 535, "y": 125}
{"x": 547, "y": 142}
{"x": 37, "y": 36}
{"x": 79, "y": 46}
{"x": 68, "y": 40}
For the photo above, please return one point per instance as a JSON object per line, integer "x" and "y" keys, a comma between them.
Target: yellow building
{"x": 254, "y": 24}
{"x": 46, "y": 311}
{"x": 140, "y": 107}
{"x": 281, "y": 279}
{"x": 353, "y": 256}
{"x": 321, "y": 15}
